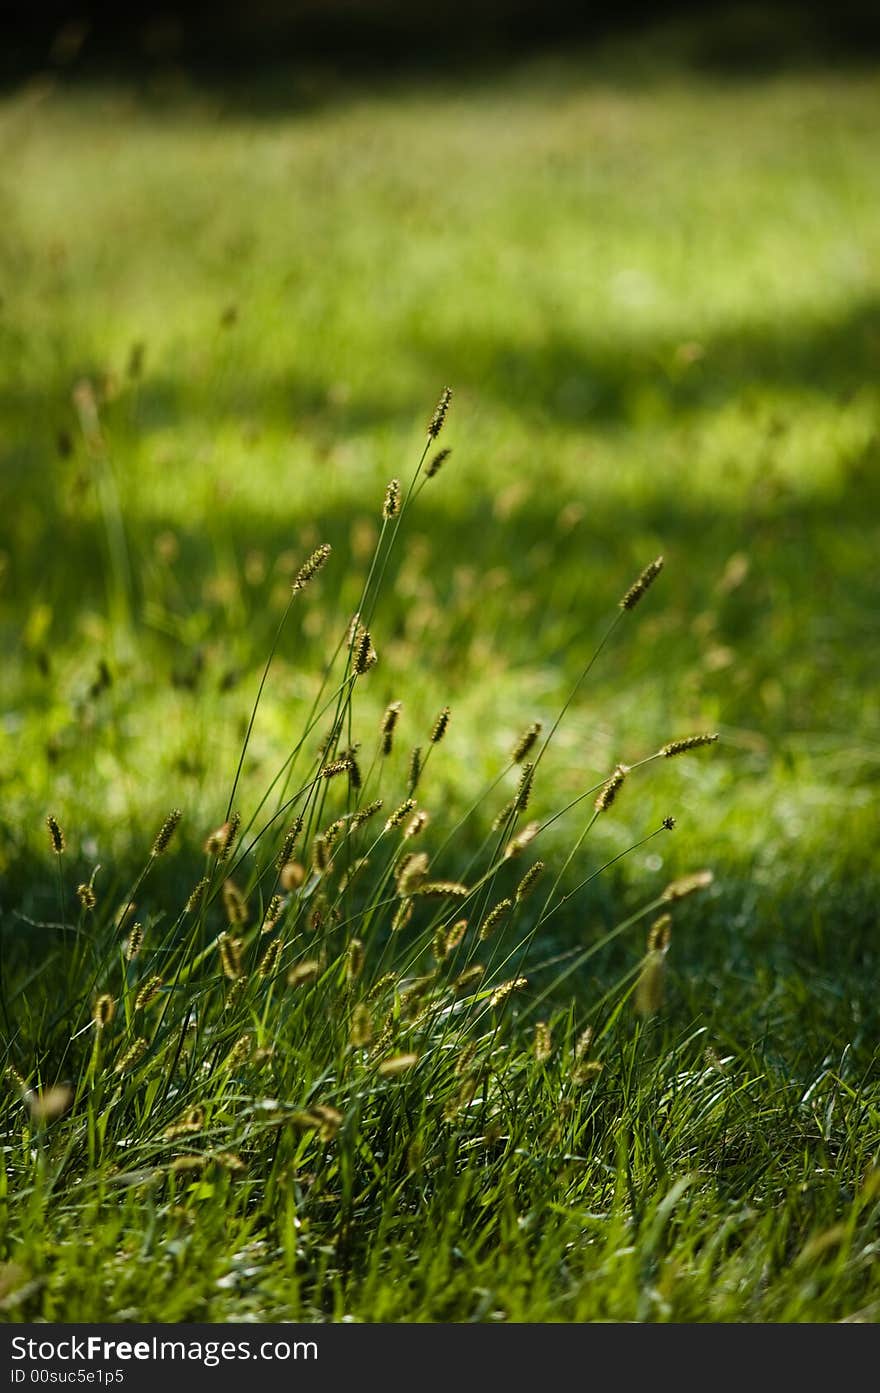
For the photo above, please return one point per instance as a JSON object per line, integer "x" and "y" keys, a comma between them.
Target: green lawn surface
{"x": 226, "y": 317}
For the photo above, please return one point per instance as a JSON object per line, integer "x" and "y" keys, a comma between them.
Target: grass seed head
{"x": 529, "y": 881}
{"x": 48, "y": 1104}
{"x": 230, "y": 950}
{"x": 494, "y": 918}
{"x": 320, "y": 854}
{"x": 389, "y": 721}
{"x": 196, "y": 897}
{"x": 335, "y": 830}
{"x": 417, "y": 823}
{"x": 16, "y": 1080}
{"x": 440, "y": 726}
{"x": 103, "y": 1010}
{"x": 320, "y": 914}
{"x": 399, "y": 814}
{"x": 412, "y": 871}
{"x": 355, "y": 778}
{"x": 56, "y": 835}
{"x": 354, "y": 960}
{"x": 148, "y": 993}
{"x": 583, "y": 1043}
{"x": 291, "y": 837}
{"x": 321, "y": 1118}
{"x": 228, "y": 1161}
{"x": 436, "y": 463}
{"x": 269, "y": 960}
{"x": 435, "y": 425}
{"x": 525, "y": 742}
{"x": 311, "y": 567}
{"x": 304, "y": 972}
{"x": 336, "y": 767}
{"x": 391, "y": 506}
{"x": 506, "y": 989}
{"x": 397, "y": 1064}
{"x": 134, "y": 943}
{"x": 236, "y": 992}
{"x": 524, "y": 791}
{"x": 415, "y": 768}
{"x": 365, "y": 655}
{"x": 402, "y": 916}
{"x": 131, "y": 1058}
{"x": 86, "y": 895}
{"x": 610, "y": 789}
{"x": 543, "y": 1042}
{"x": 660, "y": 934}
{"x": 689, "y": 742}
{"x": 361, "y": 1028}
{"x": 330, "y": 1120}
{"x": 234, "y": 903}
{"x": 651, "y": 984}
{"x": 644, "y": 582}
{"x": 187, "y": 1165}
{"x": 273, "y": 914}
{"x": 240, "y": 1052}
{"x": 381, "y": 987}
{"x": 503, "y": 817}
{"x": 364, "y": 814}
{"x": 465, "y": 1058}
{"x": 166, "y": 832}
{"x": 455, "y": 935}
{"x": 443, "y": 890}
{"x": 585, "y": 1071}
{"x": 220, "y": 842}
{"x": 522, "y": 840}
{"x": 688, "y": 885}
{"x": 469, "y": 979}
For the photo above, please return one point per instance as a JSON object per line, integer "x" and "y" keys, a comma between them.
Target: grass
{"x": 656, "y": 297}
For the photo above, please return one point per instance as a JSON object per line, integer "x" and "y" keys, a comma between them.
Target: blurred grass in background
{"x": 655, "y": 292}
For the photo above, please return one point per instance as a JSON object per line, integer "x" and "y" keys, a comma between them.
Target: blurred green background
{"x": 228, "y": 307}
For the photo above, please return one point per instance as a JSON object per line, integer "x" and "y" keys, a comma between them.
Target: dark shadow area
{"x": 310, "y": 52}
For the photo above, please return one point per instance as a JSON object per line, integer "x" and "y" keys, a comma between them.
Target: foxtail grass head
{"x": 525, "y": 742}
{"x": 56, "y": 835}
{"x": 134, "y": 942}
{"x": 610, "y": 789}
{"x": 642, "y": 584}
{"x": 688, "y": 743}
{"x": 166, "y": 832}
{"x": 496, "y": 915}
{"x": 688, "y": 885}
{"x": 391, "y": 506}
{"x": 103, "y": 1010}
{"x": 85, "y": 893}
{"x": 440, "y": 726}
{"x": 436, "y": 463}
{"x": 524, "y": 790}
{"x": 435, "y": 425}
{"x": 310, "y": 568}
{"x": 389, "y": 722}
{"x": 529, "y": 881}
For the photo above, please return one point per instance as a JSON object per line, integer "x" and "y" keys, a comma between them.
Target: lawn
{"x": 227, "y": 315}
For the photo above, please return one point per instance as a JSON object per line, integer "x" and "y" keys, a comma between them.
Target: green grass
{"x": 656, "y": 296}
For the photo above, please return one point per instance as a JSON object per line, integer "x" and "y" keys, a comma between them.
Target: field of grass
{"x": 226, "y": 317}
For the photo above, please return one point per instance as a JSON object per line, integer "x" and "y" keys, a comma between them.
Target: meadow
{"x": 228, "y": 312}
